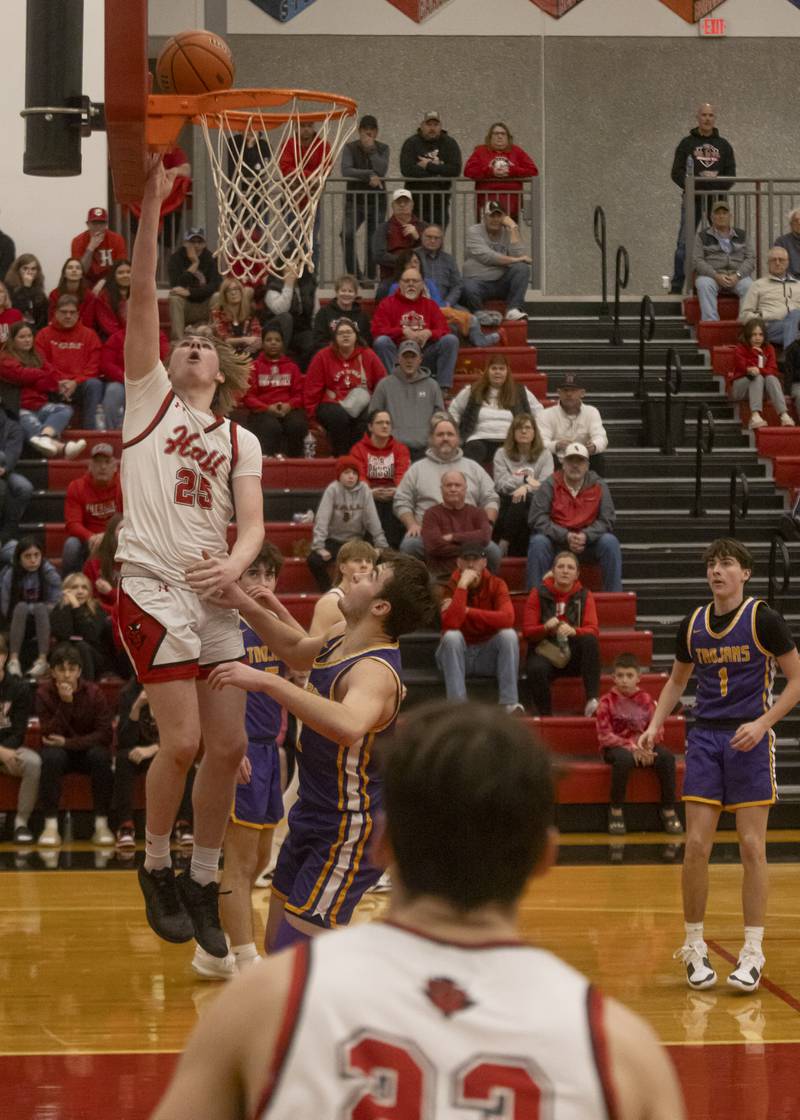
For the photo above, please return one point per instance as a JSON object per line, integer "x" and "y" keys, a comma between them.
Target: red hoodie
{"x": 87, "y": 506}
{"x": 273, "y": 381}
{"x": 483, "y": 164}
{"x": 480, "y": 611}
{"x": 396, "y": 312}
{"x": 37, "y": 382}
{"x": 532, "y": 626}
{"x": 75, "y": 353}
{"x": 745, "y": 356}
{"x": 381, "y": 466}
{"x": 622, "y": 719}
{"x": 8, "y": 317}
{"x": 330, "y": 377}
{"x": 112, "y": 356}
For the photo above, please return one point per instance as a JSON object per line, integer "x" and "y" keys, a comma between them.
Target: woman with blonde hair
{"x": 79, "y": 618}
{"x": 232, "y": 317}
{"x": 520, "y": 467}
{"x": 484, "y": 410}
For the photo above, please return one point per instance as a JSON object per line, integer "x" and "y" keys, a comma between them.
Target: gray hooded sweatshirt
{"x": 409, "y": 403}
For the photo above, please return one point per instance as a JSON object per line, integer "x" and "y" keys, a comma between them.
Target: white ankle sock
{"x": 753, "y": 936}
{"x": 20, "y": 822}
{"x": 205, "y": 865}
{"x": 156, "y": 851}
{"x": 245, "y": 953}
{"x": 51, "y": 824}
{"x": 100, "y": 822}
{"x": 694, "y": 931}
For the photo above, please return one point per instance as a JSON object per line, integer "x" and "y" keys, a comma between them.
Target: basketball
{"x": 195, "y": 62}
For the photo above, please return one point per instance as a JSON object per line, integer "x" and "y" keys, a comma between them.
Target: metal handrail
{"x": 704, "y": 445}
{"x": 738, "y": 506}
{"x": 622, "y": 272}
{"x": 600, "y": 241}
{"x": 646, "y": 313}
{"x": 673, "y": 379}
{"x": 778, "y": 544}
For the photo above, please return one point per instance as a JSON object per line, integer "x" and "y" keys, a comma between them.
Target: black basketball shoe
{"x": 202, "y": 906}
{"x": 164, "y": 909}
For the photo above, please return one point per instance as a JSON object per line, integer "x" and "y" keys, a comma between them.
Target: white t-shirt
{"x": 178, "y": 466}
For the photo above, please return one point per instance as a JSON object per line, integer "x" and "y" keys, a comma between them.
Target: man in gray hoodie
{"x": 421, "y": 487}
{"x": 411, "y": 396}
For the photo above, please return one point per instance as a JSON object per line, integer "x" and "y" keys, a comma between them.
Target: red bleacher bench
{"x": 92, "y": 436}
{"x": 774, "y": 440}
{"x": 614, "y": 608}
{"x": 576, "y": 736}
{"x": 76, "y": 793}
{"x": 521, "y": 359}
{"x": 786, "y": 471}
{"x": 569, "y": 697}
{"x": 589, "y": 783}
{"x": 722, "y": 359}
{"x": 298, "y": 474}
{"x": 727, "y": 306}
{"x": 711, "y": 333}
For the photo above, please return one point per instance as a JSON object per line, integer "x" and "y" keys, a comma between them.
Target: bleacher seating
{"x": 727, "y": 306}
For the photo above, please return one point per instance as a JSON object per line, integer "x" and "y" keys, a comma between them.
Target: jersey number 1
{"x": 723, "y": 682}
{"x": 192, "y": 488}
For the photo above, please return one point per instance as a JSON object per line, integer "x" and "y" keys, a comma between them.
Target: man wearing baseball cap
{"x": 478, "y": 639}
{"x": 724, "y": 260}
{"x": 411, "y": 396}
{"x": 496, "y": 265}
{"x": 193, "y": 280}
{"x": 98, "y": 247}
{"x": 428, "y": 160}
{"x": 89, "y": 503}
{"x": 365, "y": 162}
{"x": 573, "y": 509}
{"x": 572, "y": 421}
{"x": 402, "y": 231}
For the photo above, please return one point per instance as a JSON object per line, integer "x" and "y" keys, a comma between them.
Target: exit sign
{"x": 713, "y": 27}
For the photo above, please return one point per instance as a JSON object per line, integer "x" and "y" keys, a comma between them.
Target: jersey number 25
{"x": 192, "y": 488}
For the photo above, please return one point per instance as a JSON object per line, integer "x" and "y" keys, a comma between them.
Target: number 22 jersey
{"x": 178, "y": 466}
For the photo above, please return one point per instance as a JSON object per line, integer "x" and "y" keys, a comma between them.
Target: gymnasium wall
{"x": 599, "y": 97}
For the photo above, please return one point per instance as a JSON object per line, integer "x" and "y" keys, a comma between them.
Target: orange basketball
{"x": 195, "y": 62}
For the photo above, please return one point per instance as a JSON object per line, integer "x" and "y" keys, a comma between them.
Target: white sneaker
{"x": 50, "y": 837}
{"x": 699, "y": 973}
{"x": 73, "y": 448}
{"x": 757, "y": 421}
{"x": 591, "y": 707}
{"x": 747, "y": 974}
{"x": 514, "y": 314}
{"x": 786, "y": 420}
{"x": 40, "y": 668}
{"x": 45, "y": 445}
{"x": 514, "y": 710}
{"x": 103, "y": 836}
{"x": 213, "y": 968}
{"x": 14, "y": 667}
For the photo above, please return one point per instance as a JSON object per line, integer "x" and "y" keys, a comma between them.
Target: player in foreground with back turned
{"x": 732, "y": 645}
{"x": 440, "y": 1010}
{"x": 351, "y": 699}
{"x": 186, "y": 471}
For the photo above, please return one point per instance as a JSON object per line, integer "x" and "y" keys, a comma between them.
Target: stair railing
{"x": 738, "y": 503}
{"x": 647, "y": 328}
{"x": 600, "y": 241}
{"x": 673, "y": 379}
{"x": 778, "y": 548}
{"x": 704, "y": 445}
{"x": 622, "y": 271}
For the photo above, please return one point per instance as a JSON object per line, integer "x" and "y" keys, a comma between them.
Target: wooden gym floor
{"x": 94, "y": 1009}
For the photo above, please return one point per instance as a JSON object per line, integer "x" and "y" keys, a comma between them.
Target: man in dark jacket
{"x": 193, "y": 279}
{"x": 712, "y": 160}
{"x": 365, "y": 162}
{"x": 573, "y": 509}
{"x": 426, "y": 159}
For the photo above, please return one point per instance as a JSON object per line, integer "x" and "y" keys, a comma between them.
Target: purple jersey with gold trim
{"x": 333, "y": 776}
{"x": 265, "y": 718}
{"x": 734, "y": 672}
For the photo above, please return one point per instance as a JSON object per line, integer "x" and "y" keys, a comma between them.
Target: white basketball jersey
{"x": 389, "y": 1023}
{"x": 177, "y": 469}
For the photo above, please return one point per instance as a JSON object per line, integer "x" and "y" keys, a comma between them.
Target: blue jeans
{"x": 74, "y": 555}
{"x": 497, "y": 657}
{"x": 413, "y": 546}
{"x": 439, "y": 356}
{"x": 114, "y": 404}
{"x": 784, "y": 331}
{"x": 53, "y": 415}
{"x": 88, "y": 396}
{"x": 605, "y": 551}
{"x": 512, "y": 286}
{"x": 708, "y": 290}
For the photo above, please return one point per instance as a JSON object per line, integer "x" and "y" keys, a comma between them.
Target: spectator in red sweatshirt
{"x": 112, "y": 370}
{"x": 274, "y": 399}
{"x": 622, "y": 715}
{"x": 338, "y": 385}
{"x": 452, "y": 523}
{"x": 499, "y": 166}
{"x": 90, "y": 502}
{"x": 410, "y": 314}
{"x": 383, "y": 461}
{"x": 479, "y": 638}
{"x": 74, "y": 350}
{"x": 560, "y": 623}
{"x": 755, "y": 370}
{"x": 98, "y": 247}
{"x": 111, "y": 305}
{"x": 72, "y": 282}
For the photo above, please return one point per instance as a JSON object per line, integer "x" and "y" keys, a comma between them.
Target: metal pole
{"x": 621, "y": 277}
{"x": 600, "y": 241}
{"x": 646, "y": 312}
{"x": 53, "y": 78}
{"x": 701, "y": 445}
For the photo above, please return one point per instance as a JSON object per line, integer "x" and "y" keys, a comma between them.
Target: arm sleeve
{"x": 477, "y": 248}
{"x": 453, "y": 617}
{"x": 371, "y": 520}
{"x": 534, "y": 404}
{"x": 382, "y": 324}
{"x": 504, "y": 481}
{"x": 451, "y": 160}
{"x": 606, "y": 516}
{"x": 102, "y": 730}
{"x": 251, "y": 459}
{"x": 402, "y": 461}
{"x": 458, "y": 404}
{"x": 487, "y": 495}
{"x": 749, "y": 263}
{"x": 589, "y": 623}
{"x": 279, "y": 302}
{"x": 14, "y": 735}
{"x": 408, "y": 159}
{"x": 532, "y": 628}
{"x": 748, "y": 307}
{"x": 539, "y": 515}
{"x": 296, "y": 387}
{"x": 93, "y": 348}
{"x": 701, "y": 266}
{"x": 597, "y": 433}
{"x": 501, "y": 615}
{"x": 313, "y": 387}
{"x": 678, "y": 173}
{"x": 773, "y": 631}
{"x": 322, "y": 519}
{"x": 52, "y": 583}
{"x": 606, "y": 736}
{"x": 404, "y": 498}
{"x": 682, "y": 642}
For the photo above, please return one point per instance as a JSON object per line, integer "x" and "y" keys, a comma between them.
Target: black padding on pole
{"x": 53, "y": 78}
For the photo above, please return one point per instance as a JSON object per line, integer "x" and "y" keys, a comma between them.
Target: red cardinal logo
{"x": 135, "y": 635}
{"x": 447, "y": 996}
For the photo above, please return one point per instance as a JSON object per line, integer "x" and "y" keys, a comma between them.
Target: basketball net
{"x": 268, "y": 185}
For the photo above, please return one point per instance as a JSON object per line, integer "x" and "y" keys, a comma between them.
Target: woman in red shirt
{"x": 338, "y": 386}
{"x": 500, "y": 165}
{"x": 563, "y": 612}
{"x": 73, "y": 282}
{"x": 111, "y": 305}
{"x": 755, "y": 369}
{"x": 274, "y": 399}
{"x": 43, "y": 414}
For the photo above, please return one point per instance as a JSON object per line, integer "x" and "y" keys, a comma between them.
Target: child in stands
{"x": 29, "y": 588}
{"x": 346, "y": 511}
{"x": 622, "y": 715}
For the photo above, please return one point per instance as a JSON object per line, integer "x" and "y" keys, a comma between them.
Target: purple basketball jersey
{"x": 734, "y": 672}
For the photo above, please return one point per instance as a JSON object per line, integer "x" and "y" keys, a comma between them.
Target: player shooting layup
{"x": 442, "y": 1010}
{"x": 186, "y": 471}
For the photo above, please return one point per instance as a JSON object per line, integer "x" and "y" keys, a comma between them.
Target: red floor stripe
{"x": 781, "y": 993}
